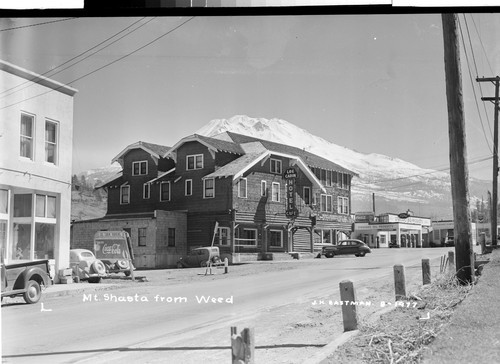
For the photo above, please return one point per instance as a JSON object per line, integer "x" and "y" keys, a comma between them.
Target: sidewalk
{"x": 473, "y": 333}
{"x": 57, "y": 290}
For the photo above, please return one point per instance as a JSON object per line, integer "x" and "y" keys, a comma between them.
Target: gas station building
{"x": 389, "y": 229}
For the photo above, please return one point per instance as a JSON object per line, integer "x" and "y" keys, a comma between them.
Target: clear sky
{"x": 372, "y": 83}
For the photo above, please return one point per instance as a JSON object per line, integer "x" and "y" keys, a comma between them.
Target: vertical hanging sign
{"x": 290, "y": 176}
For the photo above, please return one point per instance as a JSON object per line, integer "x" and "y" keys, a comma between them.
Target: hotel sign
{"x": 290, "y": 176}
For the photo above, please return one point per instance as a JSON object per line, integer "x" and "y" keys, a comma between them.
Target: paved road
{"x": 102, "y": 325}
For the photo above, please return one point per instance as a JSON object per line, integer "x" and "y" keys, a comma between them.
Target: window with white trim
{"x": 263, "y": 188}
{"x": 275, "y": 166}
{"x": 326, "y": 203}
{"x": 27, "y": 134}
{"x": 165, "y": 191}
{"x": 51, "y": 136}
{"x": 209, "y": 188}
{"x": 188, "y": 187}
{"x": 146, "y": 191}
{"x": 242, "y": 188}
{"x": 275, "y": 192}
{"x": 343, "y": 205}
{"x": 194, "y": 161}
{"x": 124, "y": 195}
{"x": 139, "y": 168}
{"x": 307, "y": 195}
{"x": 246, "y": 237}
{"x": 222, "y": 236}
{"x": 276, "y": 238}
{"x": 45, "y": 206}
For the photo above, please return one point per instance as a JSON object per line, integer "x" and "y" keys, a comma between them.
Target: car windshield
{"x": 87, "y": 255}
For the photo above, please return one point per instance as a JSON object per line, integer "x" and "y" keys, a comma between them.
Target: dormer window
{"x": 139, "y": 168}
{"x": 275, "y": 166}
{"x": 194, "y": 162}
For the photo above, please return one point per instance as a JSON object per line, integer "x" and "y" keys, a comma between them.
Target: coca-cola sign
{"x": 111, "y": 249}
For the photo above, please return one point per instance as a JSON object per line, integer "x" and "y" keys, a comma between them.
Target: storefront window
{"x": 4, "y": 199}
{"x": 20, "y": 249}
{"x": 3, "y": 236}
{"x": 22, "y": 205}
{"x": 44, "y": 241}
{"x": 40, "y": 206}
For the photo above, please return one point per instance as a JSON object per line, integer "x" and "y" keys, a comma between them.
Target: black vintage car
{"x": 200, "y": 257}
{"x": 346, "y": 247}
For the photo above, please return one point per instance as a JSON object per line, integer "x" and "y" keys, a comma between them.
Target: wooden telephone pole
{"x": 494, "y": 198}
{"x": 458, "y": 151}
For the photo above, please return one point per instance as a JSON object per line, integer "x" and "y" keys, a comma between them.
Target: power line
{"x": 472, "y": 83}
{"x": 37, "y": 24}
{"x": 33, "y": 80}
{"x": 482, "y": 45}
{"x": 102, "y": 67}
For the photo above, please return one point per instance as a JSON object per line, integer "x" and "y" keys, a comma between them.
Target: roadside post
{"x": 399, "y": 281}
{"x": 451, "y": 261}
{"x": 242, "y": 346}
{"x": 348, "y": 298}
{"x": 426, "y": 271}
{"x": 226, "y": 265}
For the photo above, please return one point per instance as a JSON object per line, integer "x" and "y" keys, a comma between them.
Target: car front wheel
{"x": 329, "y": 255}
{"x": 95, "y": 280}
{"x": 33, "y": 292}
{"x": 362, "y": 254}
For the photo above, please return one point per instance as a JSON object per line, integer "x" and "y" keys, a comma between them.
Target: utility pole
{"x": 494, "y": 202}
{"x": 458, "y": 151}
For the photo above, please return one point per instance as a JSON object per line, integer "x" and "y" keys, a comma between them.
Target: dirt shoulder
{"x": 448, "y": 323}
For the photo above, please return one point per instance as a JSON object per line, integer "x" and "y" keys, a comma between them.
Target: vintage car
{"x": 25, "y": 279}
{"x": 346, "y": 247}
{"x": 114, "y": 249}
{"x": 200, "y": 257}
{"x": 86, "y": 266}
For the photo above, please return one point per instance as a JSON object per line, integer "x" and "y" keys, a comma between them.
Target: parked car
{"x": 86, "y": 266}
{"x": 346, "y": 247}
{"x": 25, "y": 279}
{"x": 200, "y": 257}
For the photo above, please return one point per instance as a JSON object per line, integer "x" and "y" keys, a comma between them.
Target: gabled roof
{"x": 214, "y": 145}
{"x": 238, "y": 167}
{"x": 233, "y": 169}
{"x": 155, "y": 150}
{"x": 308, "y": 158}
{"x": 115, "y": 181}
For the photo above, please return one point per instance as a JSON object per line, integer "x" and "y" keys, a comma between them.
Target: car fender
{"x": 32, "y": 273}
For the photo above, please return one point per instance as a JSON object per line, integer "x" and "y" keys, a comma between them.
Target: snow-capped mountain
{"x": 398, "y": 185}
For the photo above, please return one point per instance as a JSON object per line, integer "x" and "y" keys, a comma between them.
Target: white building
{"x": 389, "y": 229}
{"x": 36, "y": 137}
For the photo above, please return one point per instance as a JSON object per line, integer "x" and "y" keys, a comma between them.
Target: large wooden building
{"x": 232, "y": 191}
